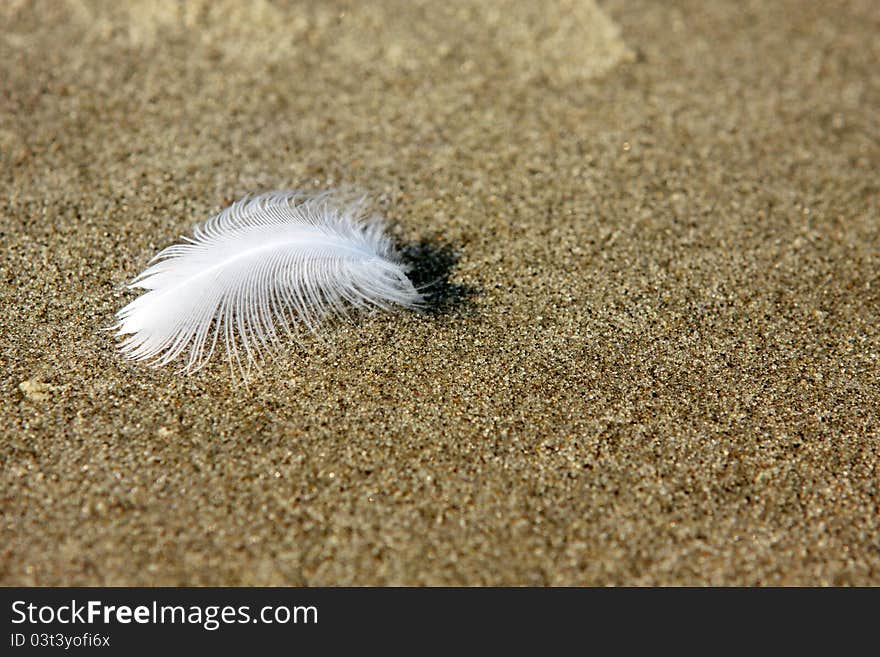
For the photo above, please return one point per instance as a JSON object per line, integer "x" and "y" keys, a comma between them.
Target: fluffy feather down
{"x": 261, "y": 267}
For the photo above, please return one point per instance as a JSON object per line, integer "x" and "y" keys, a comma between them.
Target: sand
{"x": 656, "y": 360}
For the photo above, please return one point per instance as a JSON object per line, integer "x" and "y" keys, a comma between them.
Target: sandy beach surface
{"x": 654, "y": 357}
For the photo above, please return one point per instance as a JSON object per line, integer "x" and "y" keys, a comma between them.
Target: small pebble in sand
{"x": 35, "y": 390}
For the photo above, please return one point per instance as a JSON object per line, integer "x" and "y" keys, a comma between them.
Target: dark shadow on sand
{"x": 431, "y": 264}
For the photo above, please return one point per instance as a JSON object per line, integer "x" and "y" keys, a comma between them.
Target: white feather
{"x": 261, "y": 267}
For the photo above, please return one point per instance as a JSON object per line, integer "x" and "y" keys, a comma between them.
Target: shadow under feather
{"x": 431, "y": 263}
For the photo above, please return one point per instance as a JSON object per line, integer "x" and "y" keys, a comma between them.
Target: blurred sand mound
{"x": 562, "y": 40}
